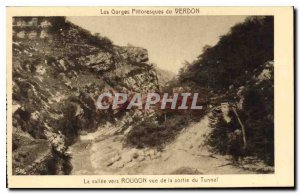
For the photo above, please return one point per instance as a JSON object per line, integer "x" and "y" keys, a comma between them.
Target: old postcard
{"x": 150, "y": 97}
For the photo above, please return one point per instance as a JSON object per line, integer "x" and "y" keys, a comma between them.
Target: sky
{"x": 170, "y": 40}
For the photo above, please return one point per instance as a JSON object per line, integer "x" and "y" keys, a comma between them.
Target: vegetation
{"x": 156, "y": 135}
{"x": 237, "y": 60}
{"x": 247, "y": 46}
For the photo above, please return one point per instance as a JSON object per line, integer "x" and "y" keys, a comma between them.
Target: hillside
{"x": 58, "y": 71}
{"x": 164, "y": 76}
{"x": 238, "y": 72}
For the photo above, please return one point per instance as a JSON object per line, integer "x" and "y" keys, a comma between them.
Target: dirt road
{"x": 104, "y": 154}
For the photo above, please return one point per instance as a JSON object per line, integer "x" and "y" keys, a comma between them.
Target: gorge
{"x": 60, "y": 69}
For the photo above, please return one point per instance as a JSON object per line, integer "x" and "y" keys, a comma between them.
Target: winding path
{"x": 99, "y": 154}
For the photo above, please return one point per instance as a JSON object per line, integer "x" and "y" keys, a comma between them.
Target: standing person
{"x": 235, "y": 145}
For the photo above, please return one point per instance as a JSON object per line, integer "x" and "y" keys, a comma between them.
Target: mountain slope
{"x": 164, "y": 76}
{"x": 59, "y": 69}
{"x": 238, "y": 72}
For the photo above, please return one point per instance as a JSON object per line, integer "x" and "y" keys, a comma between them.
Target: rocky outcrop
{"x": 134, "y": 54}
{"x": 30, "y": 156}
{"x": 266, "y": 73}
{"x": 56, "y": 82}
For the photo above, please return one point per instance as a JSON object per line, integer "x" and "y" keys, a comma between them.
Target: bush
{"x": 258, "y": 116}
{"x": 218, "y": 139}
{"x": 149, "y": 134}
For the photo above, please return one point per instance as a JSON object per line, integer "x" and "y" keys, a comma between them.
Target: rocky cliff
{"x": 59, "y": 69}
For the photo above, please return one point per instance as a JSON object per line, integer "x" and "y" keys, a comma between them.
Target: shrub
{"x": 149, "y": 134}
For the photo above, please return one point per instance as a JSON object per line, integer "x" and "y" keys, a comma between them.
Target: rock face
{"x": 164, "y": 76}
{"x": 134, "y": 54}
{"x": 56, "y": 82}
{"x": 31, "y": 156}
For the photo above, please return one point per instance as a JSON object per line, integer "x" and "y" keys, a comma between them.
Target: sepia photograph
{"x": 142, "y": 94}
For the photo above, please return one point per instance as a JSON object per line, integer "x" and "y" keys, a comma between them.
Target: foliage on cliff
{"x": 245, "y": 48}
{"x": 239, "y": 70}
